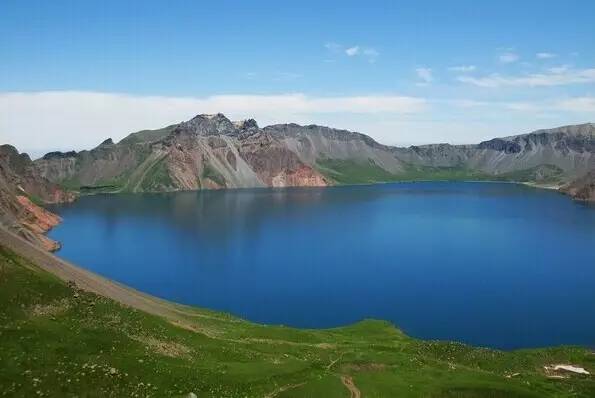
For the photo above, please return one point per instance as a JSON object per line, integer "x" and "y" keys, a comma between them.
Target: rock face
{"x": 213, "y": 152}
{"x": 570, "y": 149}
{"x": 583, "y": 188}
{"x": 206, "y": 152}
{"x": 21, "y": 186}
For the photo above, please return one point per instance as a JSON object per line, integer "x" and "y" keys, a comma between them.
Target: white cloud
{"x": 467, "y": 103}
{"x": 522, "y": 106}
{"x": 462, "y": 68}
{"x": 43, "y": 121}
{"x": 371, "y": 54}
{"x": 425, "y": 75}
{"x": 333, "y": 47}
{"x": 559, "y": 69}
{"x": 545, "y": 55}
{"x": 572, "y": 105}
{"x": 578, "y": 104}
{"x": 287, "y": 76}
{"x": 352, "y": 51}
{"x": 556, "y": 77}
{"x": 508, "y": 57}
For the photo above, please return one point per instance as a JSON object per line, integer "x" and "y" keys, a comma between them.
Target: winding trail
{"x": 350, "y": 385}
{"x": 282, "y": 389}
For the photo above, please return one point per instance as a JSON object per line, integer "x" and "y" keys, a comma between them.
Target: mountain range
{"x": 213, "y": 152}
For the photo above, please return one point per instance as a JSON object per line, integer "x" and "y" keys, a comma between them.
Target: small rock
{"x": 113, "y": 371}
{"x": 191, "y": 395}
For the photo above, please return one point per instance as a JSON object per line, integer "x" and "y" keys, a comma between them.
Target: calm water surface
{"x": 498, "y": 265}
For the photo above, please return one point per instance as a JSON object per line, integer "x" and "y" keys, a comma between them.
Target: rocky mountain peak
{"x": 206, "y": 124}
{"x": 246, "y": 124}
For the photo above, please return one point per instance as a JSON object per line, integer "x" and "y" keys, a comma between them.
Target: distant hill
{"x": 212, "y": 152}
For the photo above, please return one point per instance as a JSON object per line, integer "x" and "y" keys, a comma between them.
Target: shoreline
{"x": 174, "y": 312}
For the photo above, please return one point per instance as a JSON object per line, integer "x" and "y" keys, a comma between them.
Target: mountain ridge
{"x": 211, "y": 151}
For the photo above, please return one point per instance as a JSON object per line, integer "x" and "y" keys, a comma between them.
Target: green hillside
{"x": 57, "y": 340}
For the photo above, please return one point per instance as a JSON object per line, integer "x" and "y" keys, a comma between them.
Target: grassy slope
{"x": 350, "y": 172}
{"x": 59, "y": 341}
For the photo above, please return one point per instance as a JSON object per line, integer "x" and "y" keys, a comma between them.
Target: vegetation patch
{"x": 157, "y": 177}
{"x": 82, "y": 344}
{"x": 545, "y": 173}
{"x": 351, "y": 172}
{"x": 213, "y": 175}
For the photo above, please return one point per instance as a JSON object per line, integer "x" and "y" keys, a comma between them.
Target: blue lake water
{"x": 490, "y": 264}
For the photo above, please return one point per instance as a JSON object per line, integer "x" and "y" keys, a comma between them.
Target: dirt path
{"x": 282, "y": 389}
{"x": 350, "y": 385}
{"x": 87, "y": 280}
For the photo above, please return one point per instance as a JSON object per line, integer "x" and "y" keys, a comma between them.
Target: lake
{"x": 490, "y": 264}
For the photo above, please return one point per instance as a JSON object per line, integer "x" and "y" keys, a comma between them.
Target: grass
{"x": 157, "y": 178}
{"x": 541, "y": 174}
{"x": 213, "y": 175}
{"x": 56, "y": 340}
{"x": 345, "y": 172}
{"x": 351, "y": 172}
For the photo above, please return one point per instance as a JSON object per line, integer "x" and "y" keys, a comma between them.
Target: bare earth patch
{"x": 563, "y": 371}
{"x": 363, "y": 367}
{"x": 162, "y": 347}
{"x": 52, "y": 309}
{"x": 350, "y": 385}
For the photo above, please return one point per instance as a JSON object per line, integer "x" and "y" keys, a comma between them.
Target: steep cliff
{"x": 22, "y": 191}
{"x": 583, "y": 188}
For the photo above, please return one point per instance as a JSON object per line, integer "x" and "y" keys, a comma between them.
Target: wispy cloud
{"x": 508, "y": 57}
{"x": 368, "y": 53}
{"x": 425, "y": 75}
{"x": 332, "y": 46}
{"x": 574, "y": 105}
{"x": 352, "y": 51}
{"x": 462, "y": 68}
{"x": 578, "y": 104}
{"x": 371, "y": 54}
{"x": 76, "y": 120}
{"x": 287, "y": 76}
{"x": 557, "y": 77}
{"x": 559, "y": 69}
{"x": 545, "y": 55}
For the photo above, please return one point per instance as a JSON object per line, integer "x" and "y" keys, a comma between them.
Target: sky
{"x": 73, "y": 73}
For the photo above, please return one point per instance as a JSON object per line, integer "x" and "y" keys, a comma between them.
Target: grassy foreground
{"x": 57, "y": 340}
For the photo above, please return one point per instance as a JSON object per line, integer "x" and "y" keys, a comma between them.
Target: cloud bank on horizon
{"x": 74, "y": 74}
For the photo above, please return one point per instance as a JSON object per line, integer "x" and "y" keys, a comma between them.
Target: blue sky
{"x": 405, "y": 72}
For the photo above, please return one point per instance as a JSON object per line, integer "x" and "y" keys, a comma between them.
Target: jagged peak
{"x": 210, "y": 116}
{"x": 108, "y": 141}
{"x": 246, "y": 124}
{"x": 206, "y": 124}
{"x": 58, "y": 154}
